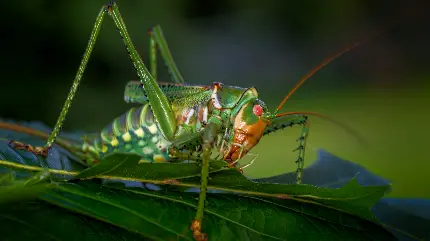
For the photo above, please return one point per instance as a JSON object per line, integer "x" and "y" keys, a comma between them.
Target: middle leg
{"x": 157, "y": 39}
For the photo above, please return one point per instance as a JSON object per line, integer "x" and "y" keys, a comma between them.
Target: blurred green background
{"x": 380, "y": 89}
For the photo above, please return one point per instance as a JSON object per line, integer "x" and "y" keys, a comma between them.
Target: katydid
{"x": 178, "y": 121}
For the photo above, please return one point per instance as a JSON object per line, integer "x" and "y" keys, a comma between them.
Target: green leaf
{"x": 7, "y": 178}
{"x": 38, "y": 220}
{"x": 248, "y": 211}
{"x": 351, "y": 198}
{"x": 227, "y": 216}
{"x": 58, "y": 158}
{"x": 126, "y": 166}
{"x": 12, "y": 189}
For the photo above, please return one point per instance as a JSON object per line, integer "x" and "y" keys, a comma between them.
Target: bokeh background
{"x": 380, "y": 89}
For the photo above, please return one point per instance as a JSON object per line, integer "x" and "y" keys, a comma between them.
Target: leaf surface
{"x": 227, "y": 216}
{"x": 245, "y": 210}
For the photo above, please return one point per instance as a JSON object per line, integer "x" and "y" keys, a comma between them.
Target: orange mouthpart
{"x": 245, "y": 138}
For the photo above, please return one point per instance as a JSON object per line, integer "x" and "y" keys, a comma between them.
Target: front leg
{"x": 282, "y": 122}
{"x": 157, "y": 39}
{"x": 210, "y": 133}
{"x": 301, "y": 149}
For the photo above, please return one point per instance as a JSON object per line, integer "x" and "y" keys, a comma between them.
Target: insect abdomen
{"x": 135, "y": 132}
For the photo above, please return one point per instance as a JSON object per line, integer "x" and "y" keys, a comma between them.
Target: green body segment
{"x": 138, "y": 130}
{"x": 135, "y": 131}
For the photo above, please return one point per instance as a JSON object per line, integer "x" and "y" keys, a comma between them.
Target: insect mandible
{"x": 178, "y": 121}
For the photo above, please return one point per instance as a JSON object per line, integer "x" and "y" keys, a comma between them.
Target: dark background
{"x": 380, "y": 89}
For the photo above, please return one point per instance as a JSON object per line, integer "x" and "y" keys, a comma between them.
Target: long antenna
{"x": 323, "y": 64}
{"x": 348, "y": 129}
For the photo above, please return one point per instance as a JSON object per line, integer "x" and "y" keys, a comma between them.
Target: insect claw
{"x": 42, "y": 151}
{"x": 13, "y": 143}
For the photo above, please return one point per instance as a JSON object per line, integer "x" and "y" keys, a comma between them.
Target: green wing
{"x": 134, "y": 92}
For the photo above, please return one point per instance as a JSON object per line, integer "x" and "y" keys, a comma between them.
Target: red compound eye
{"x": 258, "y": 110}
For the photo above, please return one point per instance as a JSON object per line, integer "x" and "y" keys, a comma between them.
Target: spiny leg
{"x": 302, "y": 146}
{"x": 157, "y": 39}
{"x": 158, "y": 101}
{"x": 209, "y": 136}
{"x": 76, "y": 81}
{"x": 290, "y": 120}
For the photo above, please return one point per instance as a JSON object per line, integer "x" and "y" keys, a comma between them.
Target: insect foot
{"x": 234, "y": 165}
{"x": 196, "y": 227}
{"x": 42, "y": 151}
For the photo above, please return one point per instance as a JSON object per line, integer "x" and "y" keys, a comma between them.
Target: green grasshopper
{"x": 181, "y": 122}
